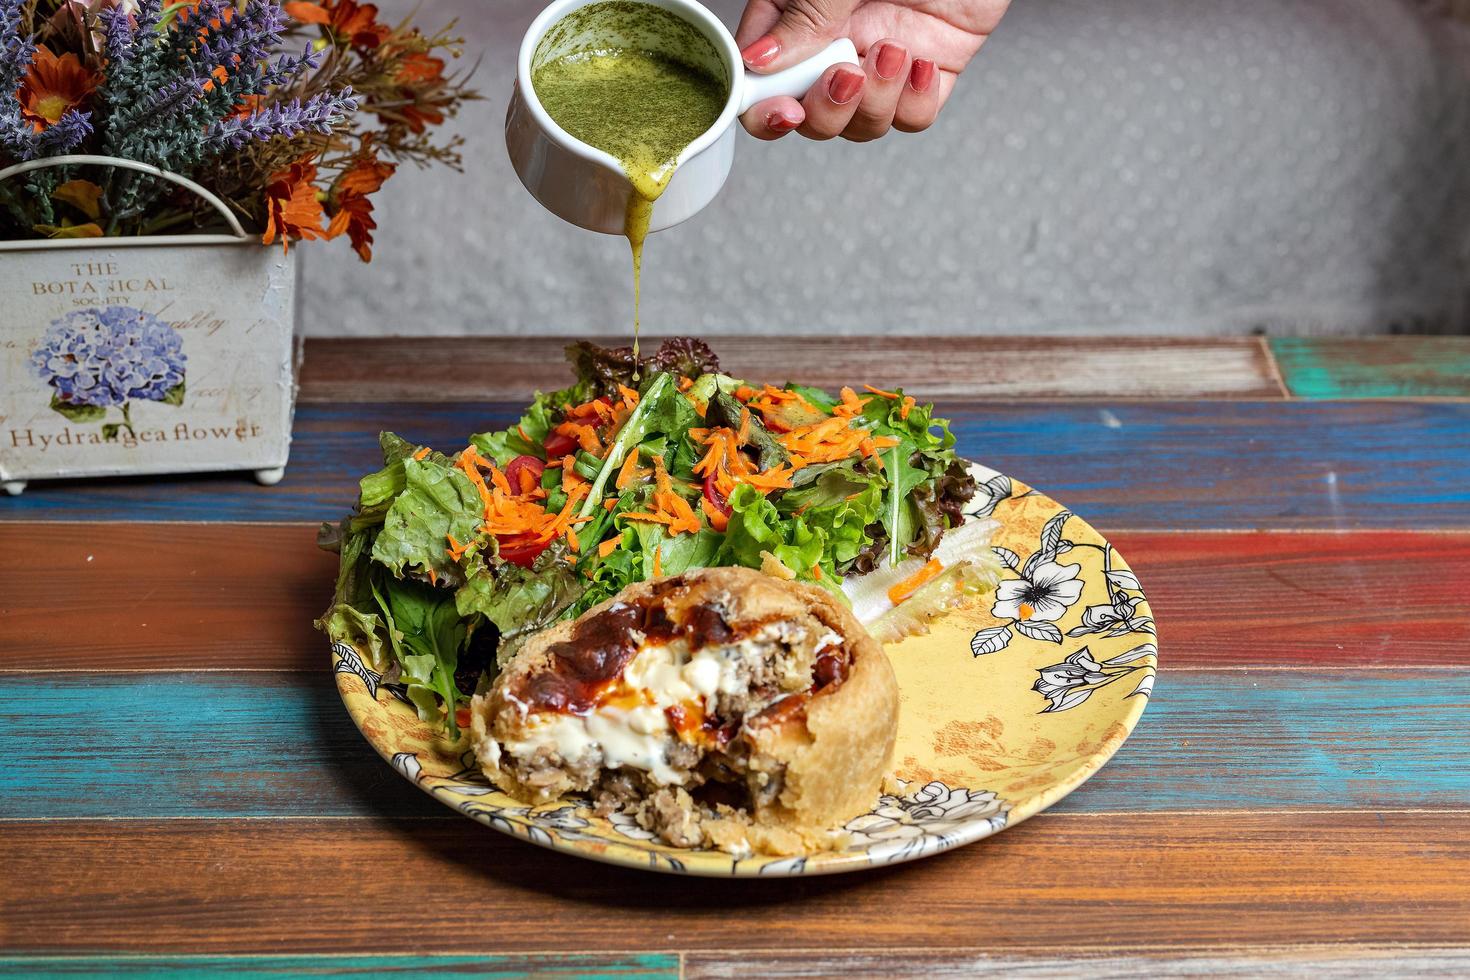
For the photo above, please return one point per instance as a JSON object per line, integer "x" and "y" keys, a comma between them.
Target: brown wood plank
{"x": 1288, "y": 961}
{"x": 495, "y": 368}
{"x": 162, "y": 596}
{"x": 448, "y": 885}
{"x": 120, "y": 596}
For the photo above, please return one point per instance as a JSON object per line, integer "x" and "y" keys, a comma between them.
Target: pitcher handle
{"x": 795, "y": 81}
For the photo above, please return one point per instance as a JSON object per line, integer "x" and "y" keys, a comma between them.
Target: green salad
{"x": 643, "y": 467}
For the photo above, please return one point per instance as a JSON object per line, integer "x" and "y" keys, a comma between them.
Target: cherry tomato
{"x": 521, "y": 549}
{"x": 524, "y": 464}
{"x": 558, "y": 445}
{"x": 712, "y": 493}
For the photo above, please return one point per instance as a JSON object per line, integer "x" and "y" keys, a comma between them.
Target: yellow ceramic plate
{"x": 1005, "y": 709}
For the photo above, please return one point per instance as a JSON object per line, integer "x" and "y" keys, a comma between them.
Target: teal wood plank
{"x": 1134, "y": 465}
{"x": 279, "y": 745}
{"x": 1374, "y": 367}
{"x": 646, "y": 966}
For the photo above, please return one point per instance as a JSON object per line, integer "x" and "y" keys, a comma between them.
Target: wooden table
{"x": 182, "y": 790}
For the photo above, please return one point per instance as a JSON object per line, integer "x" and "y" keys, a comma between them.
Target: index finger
{"x": 756, "y": 22}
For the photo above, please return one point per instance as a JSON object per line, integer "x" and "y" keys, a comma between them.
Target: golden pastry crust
{"x": 808, "y": 738}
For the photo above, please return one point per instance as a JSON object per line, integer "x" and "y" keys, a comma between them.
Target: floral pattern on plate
{"x": 1006, "y": 707}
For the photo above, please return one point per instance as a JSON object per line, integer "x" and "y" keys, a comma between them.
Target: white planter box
{"x": 95, "y": 333}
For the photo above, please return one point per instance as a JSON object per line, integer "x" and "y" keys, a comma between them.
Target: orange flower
{"x": 352, "y": 211}
{"x": 53, "y": 86}
{"x": 248, "y": 108}
{"x": 418, "y": 68}
{"x": 293, "y": 208}
{"x": 348, "y": 20}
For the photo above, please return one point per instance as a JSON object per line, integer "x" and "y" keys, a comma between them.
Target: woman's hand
{"x": 912, "y": 51}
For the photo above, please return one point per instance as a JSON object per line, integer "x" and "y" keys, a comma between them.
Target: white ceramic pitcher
{"x": 587, "y": 186}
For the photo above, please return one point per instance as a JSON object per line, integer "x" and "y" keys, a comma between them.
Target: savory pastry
{"x": 720, "y": 708}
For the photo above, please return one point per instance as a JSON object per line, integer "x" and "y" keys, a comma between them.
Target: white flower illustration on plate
{"x": 1069, "y": 683}
{"x": 928, "y": 819}
{"x": 628, "y": 827}
{"x": 1043, "y": 596}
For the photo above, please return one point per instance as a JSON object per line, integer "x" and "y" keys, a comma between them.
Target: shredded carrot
{"x": 569, "y": 476}
{"x": 885, "y": 394}
{"x": 610, "y": 545}
{"x": 501, "y": 483}
{"x": 423, "y": 451}
{"x": 585, "y": 435}
{"x": 851, "y": 405}
{"x": 609, "y": 503}
{"x": 775, "y": 478}
{"x": 456, "y": 550}
{"x": 629, "y": 395}
{"x": 717, "y": 519}
{"x": 661, "y": 476}
{"x": 522, "y": 430}
{"x": 572, "y": 541}
{"x": 527, "y": 481}
{"x": 700, "y": 408}
{"x": 433, "y": 576}
{"x": 907, "y": 407}
{"x": 743, "y": 436}
{"x": 658, "y": 561}
{"x": 686, "y": 383}
{"x": 817, "y": 572}
{"x": 744, "y": 393}
{"x": 629, "y": 471}
{"x": 901, "y": 591}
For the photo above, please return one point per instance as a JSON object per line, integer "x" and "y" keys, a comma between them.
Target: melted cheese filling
{"x": 631, "y": 727}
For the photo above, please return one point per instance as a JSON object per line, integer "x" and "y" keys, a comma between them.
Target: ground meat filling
{"x": 778, "y": 667}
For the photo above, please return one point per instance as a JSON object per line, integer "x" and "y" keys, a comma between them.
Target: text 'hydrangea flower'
{"x": 106, "y": 357}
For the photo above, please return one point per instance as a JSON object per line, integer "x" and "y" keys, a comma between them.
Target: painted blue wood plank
{"x": 646, "y": 966}
{"x": 1120, "y": 465}
{"x": 266, "y": 744}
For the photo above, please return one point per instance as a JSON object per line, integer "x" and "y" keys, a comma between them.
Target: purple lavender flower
{"x": 320, "y": 114}
{"x": 106, "y": 357}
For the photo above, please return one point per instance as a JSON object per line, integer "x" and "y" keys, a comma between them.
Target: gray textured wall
{"x": 1171, "y": 166}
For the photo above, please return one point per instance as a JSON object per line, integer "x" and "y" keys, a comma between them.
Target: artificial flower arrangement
{"x": 294, "y": 114}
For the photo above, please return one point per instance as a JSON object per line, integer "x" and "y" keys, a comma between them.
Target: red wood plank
{"x": 369, "y": 885}
{"x": 124, "y": 596}
{"x": 1344, "y": 599}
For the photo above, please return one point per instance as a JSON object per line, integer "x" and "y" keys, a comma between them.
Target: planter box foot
{"x": 14, "y": 487}
{"x": 269, "y": 478}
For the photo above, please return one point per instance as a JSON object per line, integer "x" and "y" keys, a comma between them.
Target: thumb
{"x": 776, "y": 34}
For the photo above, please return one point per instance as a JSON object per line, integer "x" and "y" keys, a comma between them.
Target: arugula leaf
{"x": 724, "y": 410}
{"x": 436, "y": 501}
{"x": 661, "y": 408}
{"x": 816, "y": 396}
{"x": 426, "y": 631}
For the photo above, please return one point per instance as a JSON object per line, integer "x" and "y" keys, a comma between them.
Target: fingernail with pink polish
{"x": 844, "y": 86}
{"x": 761, "y": 52}
{"x": 890, "y": 60}
{"x": 921, "y": 76}
{"x": 780, "y": 123}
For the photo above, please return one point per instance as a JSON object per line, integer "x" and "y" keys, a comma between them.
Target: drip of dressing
{"x": 639, "y": 104}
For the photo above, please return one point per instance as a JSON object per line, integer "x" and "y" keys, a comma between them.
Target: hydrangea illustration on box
{"x": 157, "y": 161}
